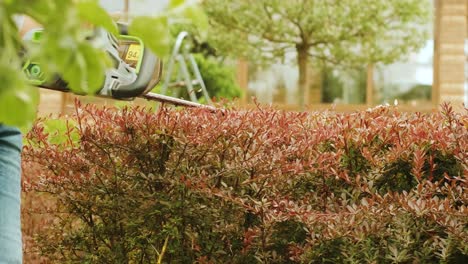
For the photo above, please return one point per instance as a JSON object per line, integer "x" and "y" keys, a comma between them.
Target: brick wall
{"x": 449, "y": 57}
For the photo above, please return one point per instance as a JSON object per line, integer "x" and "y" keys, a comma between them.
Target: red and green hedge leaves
{"x": 254, "y": 186}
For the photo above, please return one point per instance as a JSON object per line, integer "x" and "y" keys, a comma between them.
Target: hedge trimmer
{"x": 136, "y": 70}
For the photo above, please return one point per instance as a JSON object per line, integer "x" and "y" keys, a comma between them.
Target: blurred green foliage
{"x": 64, "y": 49}
{"x": 343, "y": 85}
{"x": 416, "y": 92}
{"x": 219, "y": 78}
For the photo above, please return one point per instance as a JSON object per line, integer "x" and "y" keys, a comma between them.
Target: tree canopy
{"x": 350, "y": 32}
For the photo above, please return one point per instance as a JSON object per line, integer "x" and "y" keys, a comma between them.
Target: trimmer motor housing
{"x": 135, "y": 70}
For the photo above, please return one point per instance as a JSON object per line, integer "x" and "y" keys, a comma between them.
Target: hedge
{"x": 256, "y": 186}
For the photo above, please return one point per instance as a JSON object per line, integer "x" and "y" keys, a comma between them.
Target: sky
{"x": 137, "y": 7}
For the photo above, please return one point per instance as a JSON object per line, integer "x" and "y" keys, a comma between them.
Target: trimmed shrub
{"x": 258, "y": 186}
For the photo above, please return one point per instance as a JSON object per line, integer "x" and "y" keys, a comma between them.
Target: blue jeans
{"x": 10, "y": 195}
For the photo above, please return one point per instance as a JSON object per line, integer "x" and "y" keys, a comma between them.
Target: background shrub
{"x": 259, "y": 186}
{"x": 219, "y": 78}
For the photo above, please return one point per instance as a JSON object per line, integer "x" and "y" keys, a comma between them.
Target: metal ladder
{"x": 181, "y": 55}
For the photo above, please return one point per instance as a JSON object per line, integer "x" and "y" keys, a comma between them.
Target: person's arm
{"x": 10, "y": 195}
{"x": 10, "y": 181}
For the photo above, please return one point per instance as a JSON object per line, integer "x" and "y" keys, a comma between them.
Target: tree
{"x": 64, "y": 48}
{"x": 351, "y": 32}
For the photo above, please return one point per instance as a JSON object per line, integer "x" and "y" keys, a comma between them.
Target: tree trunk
{"x": 303, "y": 85}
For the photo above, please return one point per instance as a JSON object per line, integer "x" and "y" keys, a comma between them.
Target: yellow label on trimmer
{"x": 133, "y": 53}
